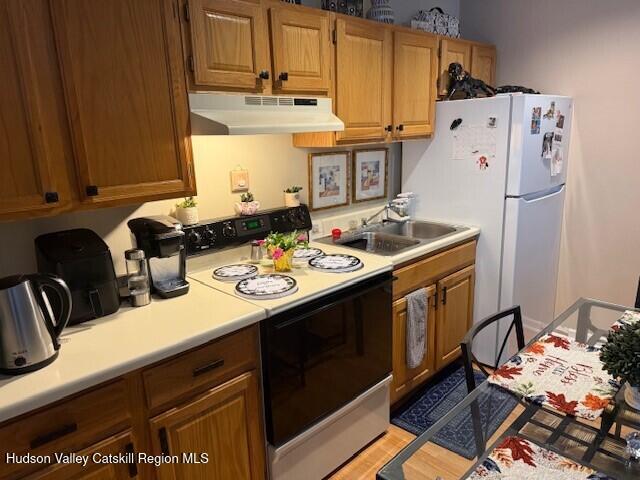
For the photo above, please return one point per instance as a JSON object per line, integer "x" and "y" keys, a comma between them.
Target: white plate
{"x": 267, "y": 286}
{"x": 233, "y": 273}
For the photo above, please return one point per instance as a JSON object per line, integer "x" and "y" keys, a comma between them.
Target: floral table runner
{"x": 627, "y": 318}
{"x": 561, "y": 373}
{"x": 519, "y": 458}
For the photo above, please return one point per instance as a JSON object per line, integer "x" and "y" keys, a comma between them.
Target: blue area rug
{"x": 440, "y": 398}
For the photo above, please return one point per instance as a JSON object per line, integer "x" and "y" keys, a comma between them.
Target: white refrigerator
{"x": 499, "y": 163}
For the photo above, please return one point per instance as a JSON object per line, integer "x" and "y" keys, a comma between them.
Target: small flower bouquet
{"x": 281, "y": 246}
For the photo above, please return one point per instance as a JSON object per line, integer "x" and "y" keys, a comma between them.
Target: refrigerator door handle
{"x": 534, "y": 197}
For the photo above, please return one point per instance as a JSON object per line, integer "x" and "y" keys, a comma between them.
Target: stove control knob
{"x": 194, "y": 238}
{"x": 209, "y": 235}
{"x": 228, "y": 230}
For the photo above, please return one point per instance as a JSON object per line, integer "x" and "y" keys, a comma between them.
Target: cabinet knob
{"x": 264, "y": 75}
{"x": 388, "y": 128}
{"x": 92, "y": 190}
{"x": 51, "y": 197}
{"x": 400, "y": 127}
{"x": 284, "y": 76}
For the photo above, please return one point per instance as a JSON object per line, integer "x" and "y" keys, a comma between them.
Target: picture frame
{"x": 329, "y": 179}
{"x": 370, "y": 173}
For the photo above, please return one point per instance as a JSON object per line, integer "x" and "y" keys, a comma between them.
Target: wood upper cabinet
{"x": 414, "y": 84}
{"x": 121, "y": 444}
{"x": 229, "y": 44}
{"x": 126, "y": 98}
{"x": 225, "y": 423}
{"x": 363, "y": 80}
{"x": 300, "y": 50}
{"x": 32, "y": 116}
{"x": 483, "y": 63}
{"x": 406, "y": 379}
{"x": 452, "y": 50}
{"x": 454, "y": 313}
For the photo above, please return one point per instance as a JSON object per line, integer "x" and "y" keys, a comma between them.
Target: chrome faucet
{"x": 398, "y": 208}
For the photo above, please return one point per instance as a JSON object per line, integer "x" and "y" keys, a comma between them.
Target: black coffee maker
{"x": 162, "y": 240}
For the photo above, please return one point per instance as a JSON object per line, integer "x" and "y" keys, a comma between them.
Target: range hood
{"x": 226, "y": 114}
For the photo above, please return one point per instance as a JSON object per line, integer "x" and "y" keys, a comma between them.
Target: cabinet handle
{"x": 264, "y": 75}
{"x": 164, "y": 442}
{"x": 207, "y": 368}
{"x": 435, "y": 300}
{"x": 388, "y": 128}
{"x": 55, "y": 435}
{"x": 284, "y": 76}
{"x": 133, "y": 466}
{"x": 51, "y": 197}
{"x": 444, "y": 295}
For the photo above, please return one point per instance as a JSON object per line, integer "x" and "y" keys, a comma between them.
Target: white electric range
{"x": 326, "y": 347}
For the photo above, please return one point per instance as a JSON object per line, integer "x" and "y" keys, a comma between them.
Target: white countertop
{"x": 312, "y": 284}
{"x": 99, "y": 350}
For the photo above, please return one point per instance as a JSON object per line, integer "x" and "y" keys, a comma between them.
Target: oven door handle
{"x": 351, "y": 296}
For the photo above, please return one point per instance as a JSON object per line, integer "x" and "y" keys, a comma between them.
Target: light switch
{"x": 239, "y": 180}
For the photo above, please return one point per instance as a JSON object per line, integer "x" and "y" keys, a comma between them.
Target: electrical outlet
{"x": 239, "y": 181}
{"x": 316, "y": 227}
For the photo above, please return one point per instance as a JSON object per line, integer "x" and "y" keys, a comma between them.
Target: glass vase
{"x": 285, "y": 262}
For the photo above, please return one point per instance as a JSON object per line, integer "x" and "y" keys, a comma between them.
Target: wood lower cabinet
{"x": 363, "y": 80}
{"x": 229, "y": 44}
{"x": 224, "y": 423}
{"x": 454, "y": 314}
{"x": 406, "y": 379}
{"x": 415, "y": 70}
{"x": 448, "y": 278}
{"x": 33, "y": 136}
{"x": 301, "y": 50}
{"x": 117, "y": 446}
{"x": 483, "y": 63}
{"x": 126, "y": 97}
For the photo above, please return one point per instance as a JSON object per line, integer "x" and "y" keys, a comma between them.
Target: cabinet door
{"x": 229, "y": 44}
{"x": 301, "y": 50}
{"x": 126, "y": 95}
{"x": 363, "y": 80}
{"x": 406, "y": 379}
{"x": 225, "y": 423}
{"x": 32, "y": 116}
{"x": 451, "y": 51}
{"x": 117, "y": 445}
{"x": 483, "y": 64}
{"x": 454, "y": 314}
{"x": 415, "y": 57}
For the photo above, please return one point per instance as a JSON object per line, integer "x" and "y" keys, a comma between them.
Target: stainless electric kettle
{"x": 29, "y": 330}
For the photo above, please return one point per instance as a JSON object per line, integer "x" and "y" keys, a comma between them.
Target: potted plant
{"x": 187, "y": 211}
{"x": 247, "y": 205}
{"x": 292, "y": 196}
{"x": 621, "y": 358}
{"x": 281, "y": 246}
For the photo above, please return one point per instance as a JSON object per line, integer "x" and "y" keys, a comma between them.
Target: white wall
{"x": 587, "y": 49}
{"x": 273, "y": 165}
{"x": 405, "y": 9}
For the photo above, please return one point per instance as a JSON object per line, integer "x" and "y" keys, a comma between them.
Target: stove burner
{"x": 266, "y": 287}
{"x": 233, "y": 273}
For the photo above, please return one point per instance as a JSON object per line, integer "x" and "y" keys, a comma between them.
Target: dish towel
{"x": 416, "y": 326}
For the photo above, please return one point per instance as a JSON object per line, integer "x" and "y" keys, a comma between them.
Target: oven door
{"x": 320, "y": 356}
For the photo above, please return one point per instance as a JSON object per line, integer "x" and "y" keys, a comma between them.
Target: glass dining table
{"x": 599, "y": 445}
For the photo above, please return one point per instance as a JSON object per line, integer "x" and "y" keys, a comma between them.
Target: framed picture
{"x": 328, "y": 179}
{"x": 370, "y": 168}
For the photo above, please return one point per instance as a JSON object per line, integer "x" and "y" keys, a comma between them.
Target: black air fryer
{"x": 82, "y": 259}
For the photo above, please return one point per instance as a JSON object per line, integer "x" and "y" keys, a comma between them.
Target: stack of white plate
{"x": 336, "y": 263}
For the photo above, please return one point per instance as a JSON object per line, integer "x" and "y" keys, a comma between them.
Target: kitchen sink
{"x": 391, "y": 238}
{"x": 377, "y": 242}
{"x": 418, "y": 229}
